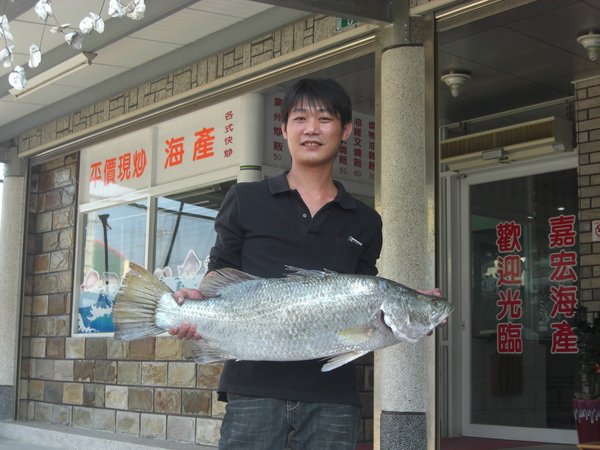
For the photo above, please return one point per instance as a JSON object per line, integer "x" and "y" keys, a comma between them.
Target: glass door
{"x": 519, "y": 237}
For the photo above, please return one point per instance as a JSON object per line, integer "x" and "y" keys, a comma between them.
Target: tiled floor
{"x": 469, "y": 443}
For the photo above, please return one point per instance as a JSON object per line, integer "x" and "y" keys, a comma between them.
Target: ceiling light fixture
{"x": 55, "y": 73}
{"x": 455, "y": 81}
{"x": 591, "y": 43}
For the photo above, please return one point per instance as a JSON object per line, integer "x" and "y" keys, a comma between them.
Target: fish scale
{"x": 309, "y": 314}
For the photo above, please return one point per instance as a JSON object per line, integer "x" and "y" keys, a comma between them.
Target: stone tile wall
{"x": 588, "y": 140}
{"x": 144, "y": 388}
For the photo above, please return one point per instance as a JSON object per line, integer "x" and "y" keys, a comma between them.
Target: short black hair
{"x": 324, "y": 91}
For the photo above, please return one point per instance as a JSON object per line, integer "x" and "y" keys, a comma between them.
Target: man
{"x": 301, "y": 218}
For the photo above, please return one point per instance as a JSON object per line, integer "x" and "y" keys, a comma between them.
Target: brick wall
{"x": 588, "y": 140}
{"x": 144, "y": 388}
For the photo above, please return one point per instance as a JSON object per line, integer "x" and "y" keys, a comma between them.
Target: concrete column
{"x": 404, "y": 386}
{"x": 12, "y": 233}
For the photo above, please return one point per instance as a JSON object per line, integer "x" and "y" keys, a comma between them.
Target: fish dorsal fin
{"x": 215, "y": 281}
{"x": 297, "y": 272}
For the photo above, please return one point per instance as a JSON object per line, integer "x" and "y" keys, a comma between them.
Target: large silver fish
{"x": 308, "y": 314}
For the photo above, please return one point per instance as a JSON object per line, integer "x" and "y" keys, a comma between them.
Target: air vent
{"x": 507, "y": 144}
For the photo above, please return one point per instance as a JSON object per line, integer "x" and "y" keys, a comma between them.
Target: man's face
{"x": 314, "y": 134}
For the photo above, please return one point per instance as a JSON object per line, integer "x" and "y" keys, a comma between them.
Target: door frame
{"x": 458, "y": 202}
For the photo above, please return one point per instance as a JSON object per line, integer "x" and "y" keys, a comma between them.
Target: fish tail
{"x": 134, "y": 310}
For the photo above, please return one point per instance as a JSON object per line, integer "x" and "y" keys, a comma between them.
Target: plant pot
{"x": 587, "y": 419}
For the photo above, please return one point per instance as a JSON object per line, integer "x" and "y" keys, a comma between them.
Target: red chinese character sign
{"x": 116, "y": 167}
{"x": 562, "y": 275}
{"x": 562, "y": 266}
{"x": 509, "y": 266}
{"x": 219, "y": 137}
{"x": 356, "y": 157}
{"x": 204, "y": 141}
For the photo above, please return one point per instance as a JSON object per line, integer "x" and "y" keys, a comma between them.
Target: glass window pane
{"x": 112, "y": 237}
{"x": 521, "y": 374}
{"x": 185, "y": 234}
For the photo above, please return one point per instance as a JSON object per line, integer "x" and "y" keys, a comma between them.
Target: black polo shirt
{"x": 264, "y": 226}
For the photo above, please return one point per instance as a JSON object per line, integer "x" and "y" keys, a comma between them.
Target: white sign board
{"x": 218, "y": 137}
{"x": 198, "y": 142}
{"x": 116, "y": 167}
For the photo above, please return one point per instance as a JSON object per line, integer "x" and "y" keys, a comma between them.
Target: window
{"x": 113, "y": 237}
{"x": 185, "y": 234}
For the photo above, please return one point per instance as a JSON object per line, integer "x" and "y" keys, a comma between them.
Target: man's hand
{"x": 435, "y": 292}
{"x": 186, "y": 330}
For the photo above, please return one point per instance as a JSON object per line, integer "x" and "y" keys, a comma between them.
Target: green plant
{"x": 588, "y": 341}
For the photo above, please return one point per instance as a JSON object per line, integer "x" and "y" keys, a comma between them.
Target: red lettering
{"x": 564, "y": 339}
{"x": 110, "y": 166}
{"x": 509, "y": 338}
{"x": 174, "y": 151}
{"x": 562, "y": 264}
{"x": 565, "y": 300}
{"x": 508, "y": 234}
{"x": 203, "y": 147}
{"x": 510, "y": 302}
{"x": 124, "y": 167}
{"x": 96, "y": 169}
{"x": 139, "y": 163}
{"x": 509, "y": 270}
{"x": 562, "y": 231}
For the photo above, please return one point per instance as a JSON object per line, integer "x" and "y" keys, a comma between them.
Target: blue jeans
{"x": 256, "y": 423}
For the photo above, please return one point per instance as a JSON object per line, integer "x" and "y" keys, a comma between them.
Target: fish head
{"x": 411, "y": 315}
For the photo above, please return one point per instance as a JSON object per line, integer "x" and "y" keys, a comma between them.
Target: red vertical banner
{"x": 509, "y": 263}
{"x": 564, "y": 292}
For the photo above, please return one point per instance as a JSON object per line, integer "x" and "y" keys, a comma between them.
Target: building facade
{"x": 476, "y": 219}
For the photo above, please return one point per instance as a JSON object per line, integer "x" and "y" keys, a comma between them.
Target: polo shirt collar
{"x": 279, "y": 184}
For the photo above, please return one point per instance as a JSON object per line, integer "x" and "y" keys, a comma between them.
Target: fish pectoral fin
{"x": 356, "y": 335}
{"x": 204, "y": 353}
{"x": 340, "y": 360}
